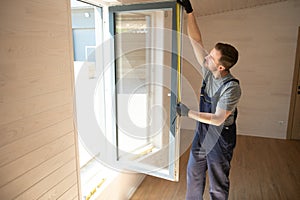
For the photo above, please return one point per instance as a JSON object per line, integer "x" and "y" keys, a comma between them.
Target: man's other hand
{"x": 182, "y": 109}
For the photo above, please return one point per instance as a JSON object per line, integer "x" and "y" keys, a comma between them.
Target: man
{"x": 215, "y": 134}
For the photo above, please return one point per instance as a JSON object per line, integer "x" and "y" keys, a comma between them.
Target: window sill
{"x": 95, "y": 178}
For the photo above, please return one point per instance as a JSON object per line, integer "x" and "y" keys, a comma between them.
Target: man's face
{"x": 212, "y": 60}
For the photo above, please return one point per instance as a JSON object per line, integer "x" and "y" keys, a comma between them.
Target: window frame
{"x": 174, "y": 139}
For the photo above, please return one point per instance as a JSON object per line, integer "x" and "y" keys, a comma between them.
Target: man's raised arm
{"x": 194, "y": 32}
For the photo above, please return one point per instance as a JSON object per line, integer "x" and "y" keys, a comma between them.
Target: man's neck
{"x": 221, "y": 74}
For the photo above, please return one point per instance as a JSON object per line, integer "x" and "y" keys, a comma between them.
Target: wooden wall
{"x": 210, "y": 7}
{"x": 38, "y": 158}
{"x": 266, "y": 38}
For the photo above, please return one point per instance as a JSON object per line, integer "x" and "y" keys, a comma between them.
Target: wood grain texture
{"x": 38, "y": 144}
{"x": 60, "y": 188}
{"x": 21, "y": 128}
{"x": 34, "y": 141}
{"x": 261, "y": 168}
{"x": 210, "y": 7}
{"x": 35, "y": 176}
{"x": 33, "y": 159}
{"x": 51, "y": 180}
{"x": 70, "y": 193}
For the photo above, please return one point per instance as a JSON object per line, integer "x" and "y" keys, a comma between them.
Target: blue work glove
{"x": 182, "y": 109}
{"x": 186, "y": 4}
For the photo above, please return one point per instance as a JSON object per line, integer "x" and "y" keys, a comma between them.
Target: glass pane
{"x": 143, "y": 44}
{"x": 83, "y": 29}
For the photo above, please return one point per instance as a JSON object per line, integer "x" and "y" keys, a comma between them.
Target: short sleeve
{"x": 230, "y": 96}
{"x": 204, "y": 70}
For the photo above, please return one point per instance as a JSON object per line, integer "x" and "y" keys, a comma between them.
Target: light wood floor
{"x": 261, "y": 168}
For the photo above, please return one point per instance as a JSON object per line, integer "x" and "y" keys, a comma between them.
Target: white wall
{"x": 266, "y": 38}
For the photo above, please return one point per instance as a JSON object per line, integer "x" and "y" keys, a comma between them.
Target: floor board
{"x": 261, "y": 168}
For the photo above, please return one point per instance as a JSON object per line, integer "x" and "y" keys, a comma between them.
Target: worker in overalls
{"x": 215, "y": 134}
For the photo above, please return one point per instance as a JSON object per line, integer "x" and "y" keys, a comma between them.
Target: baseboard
{"x": 134, "y": 188}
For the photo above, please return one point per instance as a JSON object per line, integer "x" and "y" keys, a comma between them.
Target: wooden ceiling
{"x": 140, "y": 1}
{"x": 210, "y": 7}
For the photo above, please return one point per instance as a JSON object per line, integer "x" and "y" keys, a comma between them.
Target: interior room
{"x": 90, "y": 89}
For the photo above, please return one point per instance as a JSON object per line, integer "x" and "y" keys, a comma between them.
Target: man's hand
{"x": 186, "y": 4}
{"x": 182, "y": 109}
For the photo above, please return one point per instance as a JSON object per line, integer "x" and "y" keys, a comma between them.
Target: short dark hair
{"x": 229, "y": 55}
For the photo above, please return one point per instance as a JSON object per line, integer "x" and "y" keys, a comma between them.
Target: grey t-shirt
{"x": 230, "y": 93}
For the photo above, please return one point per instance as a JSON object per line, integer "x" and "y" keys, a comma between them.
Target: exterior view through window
{"x": 125, "y": 68}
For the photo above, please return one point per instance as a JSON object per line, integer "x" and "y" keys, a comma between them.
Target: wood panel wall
{"x": 266, "y": 38}
{"x": 38, "y": 158}
{"x": 211, "y": 7}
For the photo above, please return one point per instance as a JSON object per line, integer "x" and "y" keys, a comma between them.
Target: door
{"x": 146, "y": 51}
{"x": 294, "y": 118}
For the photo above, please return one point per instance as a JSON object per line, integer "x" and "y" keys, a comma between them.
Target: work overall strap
{"x": 216, "y": 95}
{"x": 208, "y": 104}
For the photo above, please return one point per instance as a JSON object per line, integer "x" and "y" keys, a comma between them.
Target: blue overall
{"x": 211, "y": 150}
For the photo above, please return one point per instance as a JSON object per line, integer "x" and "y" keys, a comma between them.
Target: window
{"x": 83, "y": 30}
{"x": 126, "y": 89}
{"x": 87, "y": 38}
{"x": 145, "y": 77}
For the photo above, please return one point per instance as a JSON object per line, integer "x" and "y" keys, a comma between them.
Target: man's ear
{"x": 221, "y": 68}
